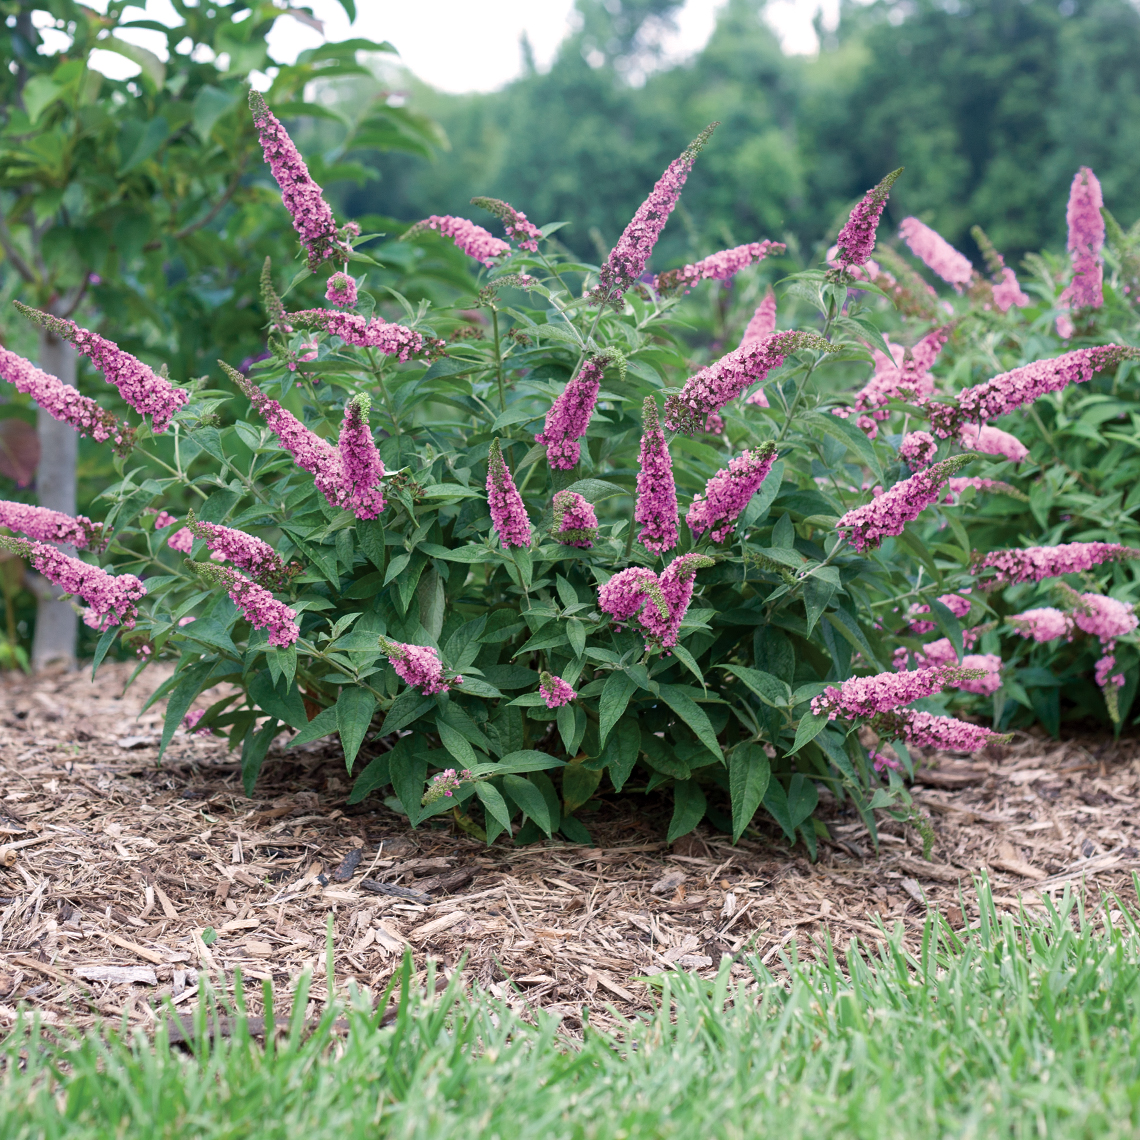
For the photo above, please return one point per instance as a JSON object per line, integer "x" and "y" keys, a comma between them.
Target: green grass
{"x": 1029, "y": 1028}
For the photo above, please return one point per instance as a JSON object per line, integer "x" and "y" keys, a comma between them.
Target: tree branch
{"x": 217, "y": 208}
{"x": 13, "y": 254}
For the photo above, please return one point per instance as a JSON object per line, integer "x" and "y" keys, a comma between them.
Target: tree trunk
{"x": 56, "y": 622}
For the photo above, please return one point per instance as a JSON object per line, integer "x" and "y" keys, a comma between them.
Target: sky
{"x": 460, "y": 46}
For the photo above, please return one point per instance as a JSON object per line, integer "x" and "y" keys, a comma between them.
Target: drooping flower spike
{"x": 1043, "y": 624}
{"x": 475, "y": 241}
{"x": 729, "y": 491}
{"x": 763, "y": 322}
{"x": 508, "y": 513}
{"x": 523, "y": 233}
{"x": 884, "y": 692}
{"x": 64, "y": 403}
{"x": 1036, "y": 563}
{"x": 857, "y": 238}
{"x": 928, "y": 730}
{"x": 44, "y": 525}
{"x": 993, "y": 441}
{"x": 141, "y": 387}
{"x": 259, "y": 607}
{"x": 936, "y": 253}
{"x": 418, "y": 666}
{"x": 372, "y": 332}
{"x": 255, "y": 557}
{"x": 719, "y": 266}
{"x": 918, "y": 449}
{"x": 659, "y": 604}
{"x": 627, "y": 260}
{"x": 656, "y": 510}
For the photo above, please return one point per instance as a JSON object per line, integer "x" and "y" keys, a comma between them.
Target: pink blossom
{"x": 626, "y": 262}
{"x": 141, "y": 387}
{"x": 902, "y": 376}
{"x": 995, "y": 486}
{"x": 714, "y": 386}
{"x": 1086, "y": 240}
{"x": 936, "y": 253}
{"x": 626, "y": 592}
{"x": 758, "y": 399}
{"x": 1008, "y": 292}
{"x": 1104, "y": 675}
{"x": 728, "y": 492}
{"x": 418, "y": 666}
{"x": 341, "y": 291}
{"x": 957, "y": 605}
{"x": 1043, "y": 624}
{"x": 260, "y": 608}
{"x": 555, "y": 692}
{"x": 569, "y": 415}
{"x": 523, "y": 233}
{"x": 187, "y": 619}
{"x": 656, "y": 509}
{"x": 714, "y": 424}
{"x": 445, "y": 784}
{"x": 256, "y": 558}
{"x": 1105, "y": 618}
{"x": 508, "y": 514}
{"x": 64, "y": 403}
{"x": 1012, "y": 390}
{"x": 881, "y": 762}
{"x": 660, "y": 604}
{"x": 893, "y": 509}
{"x": 857, "y": 238}
{"x": 867, "y": 696}
{"x": 190, "y": 720}
{"x": 719, "y": 266}
{"x": 475, "y": 241}
{"x": 677, "y": 582}
{"x": 1035, "y": 563}
{"x": 990, "y": 682}
{"x": 940, "y": 652}
{"x": 575, "y": 523}
{"x": 373, "y": 332}
{"x": 918, "y": 449}
{"x": 110, "y": 598}
{"x": 762, "y": 324}
{"x": 163, "y": 519}
{"x": 46, "y": 525}
{"x": 360, "y": 463}
{"x": 992, "y": 441}
{"x": 181, "y": 540}
{"x": 927, "y": 730}
{"x": 312, "y": 217}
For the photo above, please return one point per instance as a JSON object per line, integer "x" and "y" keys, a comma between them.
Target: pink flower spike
{"x": 312, "y": 216}
{"x": 1105, "y": 618}
{"x": 569, "y": 415}
{"x": 181, "y": 540}
{"x": 360, "y": 462}
{"x": 942, "y": 733}
{"x": 660, "y": 604}
{"x": 728, "y": 492}
{"x": 373, "y": 332}
{"x": 716, "y": 267}
{"x": 555, "y": 692}
{"x": 992, "y": 441}
{"x": 1043, "y": 624}
{"x": 475, "y": 241}
{"x": 627, "y": 260}
{"x": 44, "y": 525}
{"x": 994, "y": 486}
{"x": 1008, "y": 293}
{"x": 1086, "y": 240}
{"x": 141, "y": 387}
{"x": 110, "y": 598}
{"x": 163, "y": 519}
{"x": 884, "y": 692}
{"x": 990, "y": 682}
{"x": 763, "y": 322}
{"x": 508, "y": 513}
{"x": 418, "y": 666}
{"x": 341, "y": 291}
{"x": 902, "y": 376}
{"x": 936, "y": 253}
{"x": 256, "y": 558}
{"x": 1035, "y": 563}
{"x": 656, "y": 509}
{"x": 523, "y": 233}
{"x": 259, "y": 607}
{"x": 575, "y": 523}
{"x": 857, "y": 238}
{"x": 918, "y": 449}
{"x": 190, "y": 720}
{"x": 718, "y": 383}
{"x": 64, "y": 403}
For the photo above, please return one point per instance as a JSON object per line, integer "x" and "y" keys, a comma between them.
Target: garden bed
{"x": 117, "y": 867}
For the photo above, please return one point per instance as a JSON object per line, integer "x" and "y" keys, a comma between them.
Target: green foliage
{"x": 1026, "y": 1026}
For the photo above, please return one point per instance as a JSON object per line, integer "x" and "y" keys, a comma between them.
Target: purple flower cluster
{"x": 64, "y": 403}
{"x": 181, "y": 540}
{"x": 575, "y": 523}
{"x": 898, "y": 377}
{"x": 110, "y": 598}
{"x": 762, "y": 324}
{"x": 445, "y": 784}
{"x": 141, "y": 387}
{"x": 927, "y": 730}
{"x": 957, "y": 605}
{"x": 868, "y": 696}
{"x": 256, "y": 558}
{"x": 418, "y": 666}
{"x": 341, "y": 291}
{"x": 659, "y": 603}
{"x": 1012, "y": 390}
{"x": 627, "y": 260}
{"x": 555, "y": 692}
{"x": 719, "y": 266}
{"x": 360, "y": 464}
{"x": 45, "y": 525}
{"x": 508, "y": 513}
{"x": 1105, "y": 618}
{"x": 992, "y": 441}
{"x": 1035, "y": 563}
{"x": 373, "y": 332}
{"x": 190, "y": 722}
{"x": 1007, "y": 292}
{"x": 523, "y": 233}
{"x": 1043, "y": 624}
{"x": 475, "y": 241}
{"x": 714, "y": 386}
{"x": 656, "y": 509}
{"x": 857, "y": 238}
{"x": 569, "y": 415}
{"x": 728, "y": 492}
{"x": 936, "y": 253}
{"x": 1086, "y": 240}
{"x": 312, "y": 216}
{"x": 260, "y": 608}
{"x": 904, "y": 502}
{"x": 918, "y": 449}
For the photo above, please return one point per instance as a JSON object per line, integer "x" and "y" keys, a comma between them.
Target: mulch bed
{"x": 115, "y": 871}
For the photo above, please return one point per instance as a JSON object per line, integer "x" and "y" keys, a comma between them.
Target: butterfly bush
{"x": 466, "y": 547}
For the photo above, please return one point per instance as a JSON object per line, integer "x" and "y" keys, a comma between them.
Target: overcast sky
{"x": 458, "y": 45}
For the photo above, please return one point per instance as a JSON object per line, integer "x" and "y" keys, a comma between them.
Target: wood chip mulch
{"x": 121, "y": 881}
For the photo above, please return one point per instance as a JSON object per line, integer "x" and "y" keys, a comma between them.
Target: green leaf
{"x": 848, "y": 433}
{"x": 408, "y": 775}
{"x": 188, "y": 687}
{"x": 288, "y": 708}
{"x": 409, "y": 706}
{"x": 354, "y": 709}
{"x": 152, "y": 67}
{"x": 688, "y": 809}
{"x": 39, "y": 93}
{"x": 818, "y": 593}
{"x": 579, "y": 783}
{"x": 324, "y": 723}
{"x": 749, "y": 772}
{"x": 455, "y": 743}
{"x": 253, "y": 752}
{"x": 105, "y": 641}
{"x": 621, "y": 751}
{"x": 493, "y": 803}
{"x": 678, "y": 699}
{"x": 949, "y": 625}
{"x": 802, "y": 799}
{"x": 776, "y": 801}
{"x": 619, "y": 687}
{"x": 477, "y": 687}
{"x": 810, "y": 726}
{"x": 530, "y": 799}
{"x": 526, "y": 760}
{"x": 849, "y": 628}
{"x": 771, "y": 690}
{"x": 689, "y": 661}
{"x": 375, "y": 775}
{"x": 595, "y": 490}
